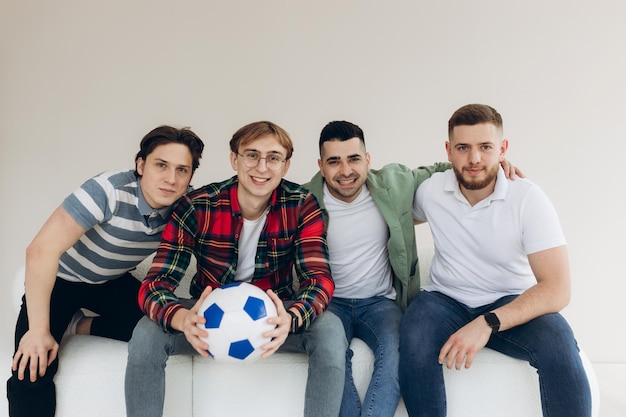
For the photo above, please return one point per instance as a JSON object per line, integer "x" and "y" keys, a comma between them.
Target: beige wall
{"x": 81, "y": 82}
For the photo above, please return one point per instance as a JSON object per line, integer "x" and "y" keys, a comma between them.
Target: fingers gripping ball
{"x": 236, "y": 317}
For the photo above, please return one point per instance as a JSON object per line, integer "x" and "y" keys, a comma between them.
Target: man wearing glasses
{"x": 254, "y": 227}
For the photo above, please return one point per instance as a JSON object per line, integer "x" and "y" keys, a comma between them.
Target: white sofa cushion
{"x": 90, "y": 379}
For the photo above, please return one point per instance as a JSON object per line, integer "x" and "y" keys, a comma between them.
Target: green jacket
{"x": 393, "y": 189}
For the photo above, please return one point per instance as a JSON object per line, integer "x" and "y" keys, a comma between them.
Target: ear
{"x": 140, "y": 164}
{"x": 449, "y": 150}
{"x": 368, "y": 158}
{"x": 233, "y": 160}
{"x": 504, "y": 146}
{"x": 286, "y": 167}
{"x": 319, "y": 165}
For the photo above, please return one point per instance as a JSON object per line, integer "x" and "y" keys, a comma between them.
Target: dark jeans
{"x": 116, "y": 303}
{"x": 547, "y": 343}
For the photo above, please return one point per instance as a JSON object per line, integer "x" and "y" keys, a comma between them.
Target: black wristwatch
{"x": 493, "y": 321}
{"x": 295, "y": 328}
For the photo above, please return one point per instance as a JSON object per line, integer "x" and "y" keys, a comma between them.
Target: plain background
{"x": 82, "y": 81}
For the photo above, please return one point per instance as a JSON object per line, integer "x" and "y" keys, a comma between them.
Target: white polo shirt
{"x": 481, "y": 252}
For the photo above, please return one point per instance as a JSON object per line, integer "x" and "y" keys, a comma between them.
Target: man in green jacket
{"x": 373, "y": 256}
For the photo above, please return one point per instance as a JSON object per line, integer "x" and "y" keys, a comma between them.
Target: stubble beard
{"x": 350, "y": 193}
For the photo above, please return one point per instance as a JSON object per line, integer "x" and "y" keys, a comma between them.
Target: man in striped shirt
{"x": 254, "y": 227}
{"x": 82, "y": 256}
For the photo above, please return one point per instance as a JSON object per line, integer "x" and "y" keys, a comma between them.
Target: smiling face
{"x": 475, "y": 152}
{"x": 344, "y": 166}
{"x": 165, "y": 174}
{"x": 257, "y": 184}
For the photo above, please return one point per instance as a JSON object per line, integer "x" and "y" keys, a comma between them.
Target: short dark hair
{"x": 255, "y": 130}
{"x": 168, "y": 134}
{"x": 473, "y": 114}
{"x": 340, "y": 130}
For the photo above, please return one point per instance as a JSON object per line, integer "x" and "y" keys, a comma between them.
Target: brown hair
{"x": 255, "y": 130}
{"x": 168, "y": 134}
{"x": 473, "y": 114}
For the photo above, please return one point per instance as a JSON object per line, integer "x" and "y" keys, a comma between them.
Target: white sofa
{"x": 90, "y": 381}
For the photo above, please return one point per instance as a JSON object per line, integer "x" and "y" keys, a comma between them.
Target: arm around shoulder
{"x": 424, "y": 172}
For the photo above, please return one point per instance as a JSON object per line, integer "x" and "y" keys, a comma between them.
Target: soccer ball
{"x": 236, "y": 317}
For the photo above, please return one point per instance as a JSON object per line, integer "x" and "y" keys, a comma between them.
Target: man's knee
{"x": 328, "y": 339}
{"x": 31, "y": 398}
{"x": 329, "y": 325}
{"x": 147, "y": 340}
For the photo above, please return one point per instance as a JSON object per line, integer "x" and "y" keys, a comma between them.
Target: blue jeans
{"x": 546, "y": 342}
{"x": 148, "y": 350}
{"x": 376, "y": 321}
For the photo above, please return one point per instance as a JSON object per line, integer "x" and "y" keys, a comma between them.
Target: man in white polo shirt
{"x": 499, "y": 276}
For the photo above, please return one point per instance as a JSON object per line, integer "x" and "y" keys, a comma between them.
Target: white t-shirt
{"x": 248, "y": 242}
{"x": 357, "y": 242}
{"x": 481, "y": 252}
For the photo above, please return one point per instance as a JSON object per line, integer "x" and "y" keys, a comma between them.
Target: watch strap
{"x": 493, "y": 321}
{"x": 295, "y": 328}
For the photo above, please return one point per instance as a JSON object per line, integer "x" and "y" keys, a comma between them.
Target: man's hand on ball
{"x": 190, "y": 326}
{"x": 283, "y": 325}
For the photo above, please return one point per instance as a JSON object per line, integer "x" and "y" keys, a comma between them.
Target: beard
{"x": 476, "y": 183}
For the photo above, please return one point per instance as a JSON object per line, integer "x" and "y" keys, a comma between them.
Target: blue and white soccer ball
{"x": 236, "y": 317}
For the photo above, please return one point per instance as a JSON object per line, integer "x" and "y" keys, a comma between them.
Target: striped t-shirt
{"x": 121, "y": 228}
